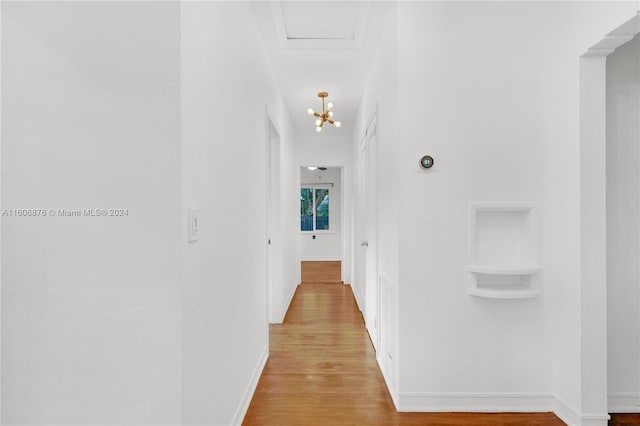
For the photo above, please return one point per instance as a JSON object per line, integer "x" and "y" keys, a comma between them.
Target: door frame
{"x": 345, "y": 254}
{"x": 593, "y": 232}
{"x": 370, "y": 286}
{"x": 272, "y": 207}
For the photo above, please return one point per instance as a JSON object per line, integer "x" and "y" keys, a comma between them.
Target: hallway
{"x": 322, "y": 371}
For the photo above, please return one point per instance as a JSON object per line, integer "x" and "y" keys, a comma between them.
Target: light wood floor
{"x": 321, "y": 271}
{"x": 322, "y": 371}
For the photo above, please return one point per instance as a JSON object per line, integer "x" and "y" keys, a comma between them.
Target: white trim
{"x": 273, "y": 226}
{"x": 355, "y": 296}
{"x": 241, "y": 411}
{"x": 320, "y": 259}
{"x": 319, "y": 232}
{"x": 501, "y": 402}
{"x": 286, "y": 43}
{"x": 285, "y": 307}
{"x": 388, "y": 382}
{"x": 573, "y": 417}
{"x": 624, "y": 402}
{"x": 474, "y": 402}
{"x": 592, "y": 297}
{"x": 566, "y": 412}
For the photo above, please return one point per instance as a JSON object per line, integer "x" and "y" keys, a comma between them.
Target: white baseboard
{"x": 389, "y": 382}
{"x": 624, "y": 402}
{"x": 498, "y": 402}
{"x": 566, "y": 412}
{"x": 573, "y": 417}
{"x": 285, "y": 308}
{"x": 241, "y": 411}
{"x": 474, "y": 402}
{"x": 355, "y": 296}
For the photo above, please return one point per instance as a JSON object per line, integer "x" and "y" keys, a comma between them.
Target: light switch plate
{"x": 193, "y": 224}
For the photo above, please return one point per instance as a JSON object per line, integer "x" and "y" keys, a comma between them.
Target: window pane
{"x": 322, "y": 209}
{"x": 306, "y": 209}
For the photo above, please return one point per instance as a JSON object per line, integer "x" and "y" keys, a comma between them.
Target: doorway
{"x": 321, "y": 223}
{"x": 273, "y": 260}
{"x": 609, "y": 219}
{"x": 623, "y": 227}
{"x": 366, "y": 286}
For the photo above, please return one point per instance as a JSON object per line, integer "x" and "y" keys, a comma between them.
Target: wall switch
{"x": 193, "y": 224}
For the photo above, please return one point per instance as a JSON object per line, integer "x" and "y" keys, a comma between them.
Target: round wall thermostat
{"x": 426, "y": 162}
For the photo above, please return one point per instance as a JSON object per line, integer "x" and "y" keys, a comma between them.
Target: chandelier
{"x": 326, "y": 113}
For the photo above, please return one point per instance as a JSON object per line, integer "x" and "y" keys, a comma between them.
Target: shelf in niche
{"x": 494, "y": 270}
{"x": 503, "y": 251}
{"x": 504, "y": 294}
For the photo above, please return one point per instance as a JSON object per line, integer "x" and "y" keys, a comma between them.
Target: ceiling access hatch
{"x": 320, "y": 24}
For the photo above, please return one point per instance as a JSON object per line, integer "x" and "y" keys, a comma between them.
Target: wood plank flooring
{"x": 624, "y": 419}
{"x": 321, "y": 271}
{"x": 322, "y": 371}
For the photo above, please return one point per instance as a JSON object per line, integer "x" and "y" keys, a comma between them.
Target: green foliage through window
{"x": 314, "y": 209}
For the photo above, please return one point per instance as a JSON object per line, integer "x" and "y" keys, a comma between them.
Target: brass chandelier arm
{"x": 326, "y": 113}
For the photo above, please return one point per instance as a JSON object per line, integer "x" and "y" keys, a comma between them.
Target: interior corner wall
{"x": 623, "y": 227}
{"x": 226, "y": 83}
{"x": 484, "y": 105}
{"x": 91, "y": 304}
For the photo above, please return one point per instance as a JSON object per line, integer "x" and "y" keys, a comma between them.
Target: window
{"x": 314, "y": 208}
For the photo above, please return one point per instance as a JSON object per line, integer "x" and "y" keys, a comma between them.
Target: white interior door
{"x": 366, "y": 234}
{"x": 272, "y": 219}
{"x": 360, "y": 226}
{"x": 371, "y": 246}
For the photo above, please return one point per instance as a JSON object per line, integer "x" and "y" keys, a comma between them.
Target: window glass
{"x": 322, "y": 209}
{"x": 314, "y": 209}
{"x": 306, "y": 209}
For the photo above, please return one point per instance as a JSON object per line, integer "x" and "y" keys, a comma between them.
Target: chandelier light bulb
{"x": 312, "y": 167}
{"x": 325, "y": 115}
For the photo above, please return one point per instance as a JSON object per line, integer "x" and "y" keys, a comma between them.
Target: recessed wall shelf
{"x": 492, "y": 270}
{"x": 503, "y": 251}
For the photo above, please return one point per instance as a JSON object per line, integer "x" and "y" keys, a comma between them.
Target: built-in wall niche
{"x": 503, "y": 251}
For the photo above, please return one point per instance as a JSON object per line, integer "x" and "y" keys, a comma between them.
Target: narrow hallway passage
{"x": 322, "y": 371}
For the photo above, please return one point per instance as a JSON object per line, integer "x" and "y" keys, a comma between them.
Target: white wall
{"x": 226, "y": 83}
{"x": 326, "y": 245}
{"x": 91, "y": 305}
{"x": 623, "y": 227}
{"x": 330, "y": 148}
{"x": 119, "y": 320}
{"x": 381, "y": 99}
{"x": 506, "y": 132}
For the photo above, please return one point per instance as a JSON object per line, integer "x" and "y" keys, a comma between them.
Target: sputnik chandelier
{"x": 326, "y": 113}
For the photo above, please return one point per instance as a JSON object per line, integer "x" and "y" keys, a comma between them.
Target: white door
{"x": 366, "y": 237}
{"x": 272, "y": 218}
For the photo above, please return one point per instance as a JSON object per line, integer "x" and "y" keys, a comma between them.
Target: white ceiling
{"x": 321, "y": 46}
{"x": 321, "y": 20}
